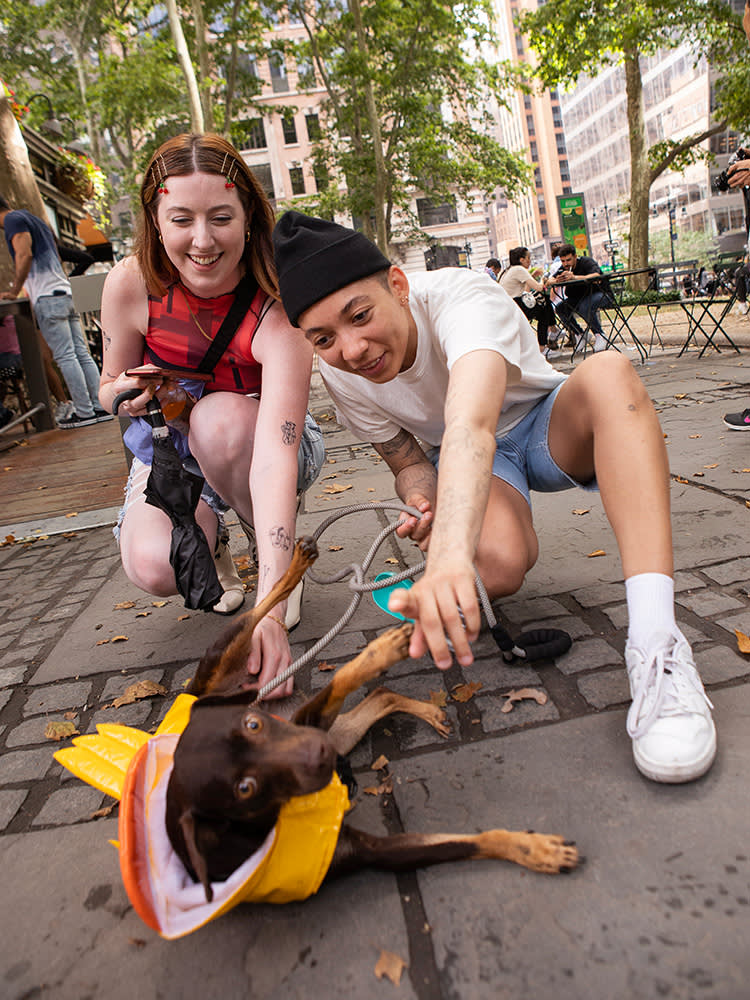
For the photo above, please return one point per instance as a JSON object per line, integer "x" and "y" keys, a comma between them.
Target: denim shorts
{"x": 310, "y": 457}
{"x": 523, "y": 459}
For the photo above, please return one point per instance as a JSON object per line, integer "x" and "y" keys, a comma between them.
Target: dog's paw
{"x": 308, "y": 549}
{"x": 541, "y": 852}
{"x": 437, "y": 719}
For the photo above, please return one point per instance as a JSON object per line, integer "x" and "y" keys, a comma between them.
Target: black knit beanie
{"x": 315, "y": 258}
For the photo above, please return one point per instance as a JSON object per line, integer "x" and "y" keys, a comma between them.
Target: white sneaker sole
{"x": 675, "y": 774}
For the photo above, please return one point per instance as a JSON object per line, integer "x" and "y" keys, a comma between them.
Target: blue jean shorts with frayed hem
{"x": 523, "y": 459}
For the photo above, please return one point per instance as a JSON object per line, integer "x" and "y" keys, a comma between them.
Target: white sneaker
{"x": 674, "y": 737}
{"x": 740, "y": 309}
{"x": 600, "y": 343}
{"x": 234, "y": 591}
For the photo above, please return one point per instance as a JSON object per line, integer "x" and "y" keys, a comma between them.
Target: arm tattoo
{"x": 288, "y": 432}
{"x": 280, "y": 538}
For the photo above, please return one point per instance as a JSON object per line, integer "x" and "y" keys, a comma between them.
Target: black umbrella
{"x": 175, "y": 490}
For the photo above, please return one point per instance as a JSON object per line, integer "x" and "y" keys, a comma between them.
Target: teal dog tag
{"x": 382, "y": 596}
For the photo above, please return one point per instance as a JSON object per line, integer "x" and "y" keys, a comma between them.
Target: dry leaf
{"x": 380, "y": 763}
{"x": 143, "y": 614}
{"x": 70, "y": 715}
{"x": 699, "y": 475}
{"x": 464, "y": 692}
{"x": 70, "y": 534}
{"x": 337, "y": 488}
{"x": 60, "y": 730}
{"x": 335, "y": 548}
{"x": 439, "y": 698}
{"x": 325, "y": 665}
{"x": 693, "y": 437}
{"x": 119, "y": 638}
{"x": 580, "y": 511}
{"x": 159, "y": 604}
{"x": 183, "y": 618}
{"x": 595, "y": 553}
{"x": 371, "y": 790}
{"x": 680, "y": 395}
{"x": 743, "y": 641}
{"x": 103, "y": 812}
{"x": 138, "y": 691}
{"x": 391, "y": 560}
{"x": 124, "y": 605}
{"x": 681, "y": 479}
{"x": 391, "y": 966}
{"x": 72, "y": 514}
{"x": 102, "y": 642}
{"x": 714, "y": 466}
{"x": 539, "y": 697}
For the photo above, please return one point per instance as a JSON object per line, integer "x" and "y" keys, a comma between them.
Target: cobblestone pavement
{"x": 74, "y": 634}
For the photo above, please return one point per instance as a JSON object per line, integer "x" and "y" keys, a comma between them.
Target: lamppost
{"x": 612, "y": 245}
{"x": 52, "y": 125}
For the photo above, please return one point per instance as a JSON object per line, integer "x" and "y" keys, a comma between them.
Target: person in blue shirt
{"x": 38, "y": 268}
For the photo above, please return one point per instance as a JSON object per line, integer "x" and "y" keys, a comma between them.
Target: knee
{"x": 147, "y": 566}
{"x": 221, "y": 424}
{"x": 503, "y": 573}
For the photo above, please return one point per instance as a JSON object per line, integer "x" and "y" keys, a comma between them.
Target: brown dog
{"x": 236, "y": 764}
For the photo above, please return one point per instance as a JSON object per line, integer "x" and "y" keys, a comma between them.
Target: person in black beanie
{"x": 443, "y": 365}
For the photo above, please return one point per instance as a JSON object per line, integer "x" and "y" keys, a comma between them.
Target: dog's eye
{"x": 246, "y": 787}
{"x": 253, "y": 723}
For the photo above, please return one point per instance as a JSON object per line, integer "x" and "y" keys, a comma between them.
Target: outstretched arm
{"x": 416, "y": 483}
{"x": 476, "y": 390}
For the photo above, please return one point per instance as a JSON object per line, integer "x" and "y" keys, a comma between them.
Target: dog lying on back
{"x": 236, "y": 764}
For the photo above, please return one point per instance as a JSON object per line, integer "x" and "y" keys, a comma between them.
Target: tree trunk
{"x": 640, "y": 172}
{"x": 231, "y": 71}
{"x": 375, "y": 132}
{"x": 19, "y": 184}
{"x": 204, "y": 65}
{"x": 183, "y": 55}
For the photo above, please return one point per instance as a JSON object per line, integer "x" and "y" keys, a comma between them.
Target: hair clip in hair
{"x": 229, "y": 177}
{"x": 162, "y": 188}
{"x": 229, "y": 184}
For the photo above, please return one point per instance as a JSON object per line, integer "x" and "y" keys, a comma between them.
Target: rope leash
{"x": 531, "y": 645}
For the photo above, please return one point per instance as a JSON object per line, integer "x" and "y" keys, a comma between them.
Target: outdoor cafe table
{"x": 36, "y": 381}
{"x": 622, "y": 314}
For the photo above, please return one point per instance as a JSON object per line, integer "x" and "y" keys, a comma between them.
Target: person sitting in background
{"x": 529, "y": 294}
{"x": 581, "y": 297}
{"x": 493, "y": 267}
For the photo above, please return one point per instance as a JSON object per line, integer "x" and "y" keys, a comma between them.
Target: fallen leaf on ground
{"x": 183, "y": 618}
{"x": 335, "y": 548}
{"x": 103, "y": 812}
{"x": 596, "y": 552}
{"x": 337, "y": 488}
{"x": 694, "y": 437}
{"x": 439, "y": 698}
{"x": 743, "y": 641}
{"x": 700, "y": 475}
{"x": 325, "y": 665}
{"x": 143, "y": 614}
{"x": 73, "y": 513}
{"x": 139, "y": 691}
{"x": 714, "y": 466}
{"x": 119, "y": 638}
{"x": 384, "y": 788}
{"x": 60, "y": 730}
{"x": 681, "y": 479}
{"x": 523, "y": 694}
{"x": 102, "y": 642}
{"x": 380, "y": 763}
{"x": 580, "y": 511}
{"x": 391, "y": 560}
{"x": 465, "y": 692}
{"x": 70, "y": 534}
{"x": 680, "y": 395}
{"x": 391, "y": 966}
{"x": 70, "y": 715}
{"x": 124, "y": 605}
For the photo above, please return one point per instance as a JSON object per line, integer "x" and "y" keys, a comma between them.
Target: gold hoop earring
{"x": 247, "y": 236}
{"x": 161, "y": 239}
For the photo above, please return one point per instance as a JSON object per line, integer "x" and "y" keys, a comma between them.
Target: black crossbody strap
{"x": 246, "y": 292}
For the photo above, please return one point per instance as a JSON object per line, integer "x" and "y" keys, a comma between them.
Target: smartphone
{"x": 159, "y": 374}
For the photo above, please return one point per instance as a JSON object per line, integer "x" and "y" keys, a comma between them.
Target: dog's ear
{"x": 194, "y": 833}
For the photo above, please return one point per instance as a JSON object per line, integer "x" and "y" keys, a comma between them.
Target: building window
{"x": 312, "y": 122}
{"x": 290, "y": 130}
{"x": 249, "y": 134}
{"x": 435, "y": 215}
{"x": 264, "y": 177}
{"x": 279, "y": 79}
{"x": 305, "y": 74}
{"x": 298, "y": 181}
{"x": 436, "y": 257}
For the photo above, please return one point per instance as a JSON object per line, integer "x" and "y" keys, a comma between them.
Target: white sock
{"x": 650, "y": 607}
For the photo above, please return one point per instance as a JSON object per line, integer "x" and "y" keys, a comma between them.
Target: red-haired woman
{"x": 205, "y": 229}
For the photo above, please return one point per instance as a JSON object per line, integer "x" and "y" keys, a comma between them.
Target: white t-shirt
{"x": 457, "y": 311}
{"x": 514, "y": 280}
